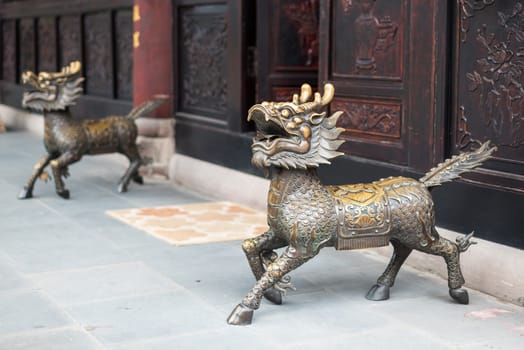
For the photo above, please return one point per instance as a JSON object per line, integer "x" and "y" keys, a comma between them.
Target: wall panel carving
{"x": 47, "y": 44}
{"x": 490, "y": 82}
{"x": 369, "y": 36}
{"x": 69, "y": 39}
{"x": 9, "y": 51}
{"x": 362, "y": 117}
{"x": 203, "y": 40}
{"x": 27, "y": 44}
{"x": 98, "y": 55}
{"x": 124, "y": 54}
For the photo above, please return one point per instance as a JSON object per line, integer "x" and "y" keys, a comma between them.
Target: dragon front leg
{"x": 259, "y": 253}
{"x": 276, "y": 271}
{"x": 27, "y": 191}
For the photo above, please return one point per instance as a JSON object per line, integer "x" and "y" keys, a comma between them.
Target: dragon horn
{"x": 69, "y": 70}
{"x": 305, "y": 93}
{"x": 329, "y": 93}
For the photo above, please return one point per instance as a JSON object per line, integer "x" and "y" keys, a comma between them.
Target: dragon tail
{"x": 453, "y": 167}
{"x": 146, "y": 107}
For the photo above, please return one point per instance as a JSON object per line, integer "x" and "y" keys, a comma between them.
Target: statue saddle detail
{"x": 67, "y": 139}
{"x": 293, "y": 139}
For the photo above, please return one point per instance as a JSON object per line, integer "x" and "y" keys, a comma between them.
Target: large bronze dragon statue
{"x": 304, "y": 215}
{"x": 67, "y": 139}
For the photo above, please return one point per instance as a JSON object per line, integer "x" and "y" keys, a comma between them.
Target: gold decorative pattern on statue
{"x": 364, "y": 216}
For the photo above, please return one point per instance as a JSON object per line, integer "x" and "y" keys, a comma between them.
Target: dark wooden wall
{"x": 418, "y": 81}
{"x": 46, "y": 35}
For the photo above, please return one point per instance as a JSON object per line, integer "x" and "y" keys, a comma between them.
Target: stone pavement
{"x": 73, "y": 278}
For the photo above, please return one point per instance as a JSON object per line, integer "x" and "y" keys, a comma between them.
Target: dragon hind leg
{"x": 380, "y": 291}
{"x": 450, "y": 252}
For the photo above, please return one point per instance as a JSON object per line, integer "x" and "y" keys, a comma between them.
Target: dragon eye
{"x": 285, "y": 113}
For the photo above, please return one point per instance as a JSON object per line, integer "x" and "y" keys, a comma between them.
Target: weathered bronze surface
{"x": 294, "y": 138}
{"x": 67, "y": 140}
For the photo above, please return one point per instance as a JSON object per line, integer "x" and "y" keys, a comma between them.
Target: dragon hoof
{"x": 460, "y": 295}
{"x": 64, "y": 194}
{"x": 378, "y": 292}
{"x": 241, "y": 316}
{"x": 273, "y": 296}
{"x": 122, "y": 188}
{"x": 138, "y": 179}
{"x": 25, "y": 193}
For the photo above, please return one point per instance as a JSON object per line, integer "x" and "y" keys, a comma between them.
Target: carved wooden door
{"x": 383, "y": 57}
{"x": 488, "y": 88}
{"x": 287, "y": 47}
{"x": 213, "y": 89}
{"x": 210, "y": 62}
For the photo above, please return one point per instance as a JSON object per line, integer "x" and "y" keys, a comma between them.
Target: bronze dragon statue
{"x": 67, "y": 140}
{"x": 294, "y": 138}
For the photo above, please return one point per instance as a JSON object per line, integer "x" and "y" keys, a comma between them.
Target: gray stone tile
{"x": 101, "y": 283}
{"x": 10, "y": 279}
{"x": 450, "y": 320}
{"x": 25, "y": 215}
{"x": 314, "y": 316}
{"x": 154, "y": 315}
{"x": 60, "y": 339}
{"x": 227, "y": 338}
{"x": 58, "y": 246}
{"x": 510, "y": 342}
{"x": 29, "y": 310}
{"x": 391, "y": 337}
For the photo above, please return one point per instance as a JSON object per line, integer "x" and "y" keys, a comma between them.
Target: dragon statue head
{"x": 53, "y": 91}
{"x": 296, "y": 134}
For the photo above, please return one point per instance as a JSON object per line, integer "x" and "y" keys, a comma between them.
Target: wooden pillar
{"x": 152, "y": 53}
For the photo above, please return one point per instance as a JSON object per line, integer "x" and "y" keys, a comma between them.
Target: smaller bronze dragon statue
{"x": 294, "y": 138}
{"x": 67, "y": 140}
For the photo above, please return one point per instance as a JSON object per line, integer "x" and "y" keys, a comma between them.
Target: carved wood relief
{"x": 124, "y": 54}
{"x": 366, "y": 117}
{"x": 203, "y": 40}
{"x": 27, "y": 44}
{"x": 296, "y": 34}
{"x": 69, "y": 39}
{"x": 47, "y": 44}
{"x": 467, "y": 10}
{"x": 98, "y": 55}
{"x": 490, "y": 85}
{"x": 370, "y": 35}
{"x": 9, "y": 51}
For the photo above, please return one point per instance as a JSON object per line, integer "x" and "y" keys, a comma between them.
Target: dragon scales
{"x": 294, "y": 138}
{"x": 67, "y": 139}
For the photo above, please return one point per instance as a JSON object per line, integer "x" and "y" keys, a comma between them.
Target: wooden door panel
{"x": 369, "y": 39}
{"x": 211, "y": 45}
{"x": 203, "y": 56}
{"x": 489, "y": 87}
{"x": 369, "y": 46}
{"x": 385, "y": 77}
{"x": 287, "y": 47}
